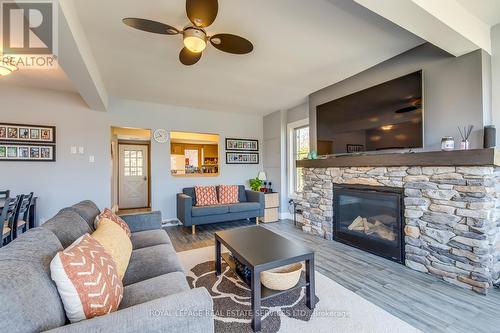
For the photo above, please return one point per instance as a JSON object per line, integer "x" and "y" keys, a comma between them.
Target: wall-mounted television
{"x": 386, "y": 116}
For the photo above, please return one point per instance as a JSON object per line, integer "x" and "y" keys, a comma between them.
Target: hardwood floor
{"x": 421, "y": 300}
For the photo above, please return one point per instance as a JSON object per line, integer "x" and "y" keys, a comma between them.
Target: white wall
{"x": 72, "y": 178}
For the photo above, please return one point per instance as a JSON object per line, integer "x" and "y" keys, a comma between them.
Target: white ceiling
{"x": 300, "y": 47}
{"x": 487, "y": 11}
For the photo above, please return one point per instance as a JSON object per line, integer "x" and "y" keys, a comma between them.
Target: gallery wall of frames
{"x": 242, "y": 151}
{"x": 32, "y": 143}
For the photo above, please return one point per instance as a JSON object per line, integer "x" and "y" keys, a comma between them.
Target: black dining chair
{"x": 7, "y": 219}
{"x": 21, "y": 217}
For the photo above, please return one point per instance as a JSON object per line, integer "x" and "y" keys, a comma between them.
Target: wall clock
{"x": 160, "y": 135}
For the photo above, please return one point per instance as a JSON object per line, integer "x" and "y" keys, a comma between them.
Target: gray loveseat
{"x": 251, "y": 205}
{"x": 156, "y": 297}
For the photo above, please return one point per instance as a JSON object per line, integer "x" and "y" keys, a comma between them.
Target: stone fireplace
{"x": 450, "y": 217}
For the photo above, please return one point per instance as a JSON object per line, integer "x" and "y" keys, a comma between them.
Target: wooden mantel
{"x": 473, "y": 157}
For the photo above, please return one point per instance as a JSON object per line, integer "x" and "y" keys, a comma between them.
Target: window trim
{"x": 291, "y": 167}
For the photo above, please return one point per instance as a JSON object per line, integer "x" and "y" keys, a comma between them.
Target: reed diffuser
{"x": 465, "y": 134}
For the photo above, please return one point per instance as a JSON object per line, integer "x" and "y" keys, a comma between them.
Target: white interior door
{"x": 133, "y": 183}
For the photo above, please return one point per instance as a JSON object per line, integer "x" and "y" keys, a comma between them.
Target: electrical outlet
{"x": 91, "y": 158}
{"x": 81, "y": 150}
{"x": 73, "y": 150}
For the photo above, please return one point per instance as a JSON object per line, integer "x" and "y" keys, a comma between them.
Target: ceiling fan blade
{"x": 189, "y": 58}
{"x": 202, "y": 13}
{"x": 150, "y": 26}
{"x": 231, "y": 43}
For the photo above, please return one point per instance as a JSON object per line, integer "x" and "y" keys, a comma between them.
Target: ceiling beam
{"x": 444, "y": 23}
{"x": 76, "y": 59}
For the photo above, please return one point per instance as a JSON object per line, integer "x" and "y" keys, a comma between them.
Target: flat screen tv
{"x": 386, "y": 116}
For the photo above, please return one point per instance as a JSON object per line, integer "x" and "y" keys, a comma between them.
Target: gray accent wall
{"x": 274, "y": 153}
{"x": 455, "y": 91}
{"x": 495, "y": 69}
{"x": 73, "y": 178}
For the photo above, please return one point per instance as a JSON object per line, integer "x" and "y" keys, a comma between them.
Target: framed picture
{"x": 242, "y": 158}
{"x": 242, "y": 144}
{"x": 27, "y": 133}
{"x": 27, "y": 152}
{"x": 355, "y": 148}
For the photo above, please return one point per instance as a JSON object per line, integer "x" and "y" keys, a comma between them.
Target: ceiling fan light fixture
{"x": 6, "y": 68}
{"x": 195, "y": 40}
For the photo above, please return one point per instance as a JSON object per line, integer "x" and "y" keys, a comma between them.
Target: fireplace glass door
{"x": 369, "y": 218}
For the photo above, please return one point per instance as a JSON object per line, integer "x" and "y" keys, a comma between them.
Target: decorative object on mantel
{"x": 34, "y": 143}
{"x": 448, "y": 143}
{"x": 313, "y": 155}
{"x": 242, "y": 144}
{"x": 242, "y": 158}
{"x": 465, "y": 134}
{"x": 490, "y": 136}
{"x": 355, "y": 148}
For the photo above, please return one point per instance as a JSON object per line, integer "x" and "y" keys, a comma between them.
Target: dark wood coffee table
{"x": 261, "y": 250}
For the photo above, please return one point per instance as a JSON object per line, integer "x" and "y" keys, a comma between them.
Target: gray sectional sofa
{"x": 251, "y": 205}
{"x": 156, "y": 297}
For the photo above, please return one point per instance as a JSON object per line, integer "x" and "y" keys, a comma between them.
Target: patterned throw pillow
{"x": 206, "y": 196}
{"x": 115, "y": 241}
{"x": 108, "y": 214}
{"x": 228, "y": 194}
{"x": 86, "y": 279}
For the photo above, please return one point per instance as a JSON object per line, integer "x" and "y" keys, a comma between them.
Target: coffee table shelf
{"x": 266, "y": 293}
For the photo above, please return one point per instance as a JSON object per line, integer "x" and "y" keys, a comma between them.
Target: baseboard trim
{"x": 170, "y": 223}
{"x": 286, "y": 216}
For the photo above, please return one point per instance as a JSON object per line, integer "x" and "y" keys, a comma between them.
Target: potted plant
{"x": 255, "y": 184}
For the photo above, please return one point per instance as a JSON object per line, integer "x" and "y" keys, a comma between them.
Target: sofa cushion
{"x": 87, "y": 210}
{"x": 68, "y": 226}
{"x": 189, "y": 191}
{"x": 148, "y": 238}
{"x": 243, "y": 207}
{"x": 150, "y": 262}
{"x": 25, "y": 284}
{"x": 86, "y": 278}
{"x": 210, "y": 210}
{"x": 116, "y": 242}
{"x": 242, "y": 193}
{"x": 150, "y": 289}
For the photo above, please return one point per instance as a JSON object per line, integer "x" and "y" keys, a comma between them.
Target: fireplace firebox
{"x": 370, "y": 218}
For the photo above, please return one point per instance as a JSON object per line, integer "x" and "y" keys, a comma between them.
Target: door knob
{"x": 145, "y": 178}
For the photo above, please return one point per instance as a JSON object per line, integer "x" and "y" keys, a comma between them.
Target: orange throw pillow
{"x": 87, "y": 280}
{"x": 228, "y": 194}
{"x": 206, "y": 196}
{"x": 108, "y": 214}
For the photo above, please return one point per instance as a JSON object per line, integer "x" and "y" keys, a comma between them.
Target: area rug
{"x": 338, "y": 309}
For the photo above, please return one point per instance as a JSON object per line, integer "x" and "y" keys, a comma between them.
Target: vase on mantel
{"x": 464, "y": 145}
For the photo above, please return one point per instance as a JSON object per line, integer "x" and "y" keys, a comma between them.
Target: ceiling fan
{"x": 201, "y": 13}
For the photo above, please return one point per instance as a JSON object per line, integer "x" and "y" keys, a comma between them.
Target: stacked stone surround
{"x": 451, "y": 214}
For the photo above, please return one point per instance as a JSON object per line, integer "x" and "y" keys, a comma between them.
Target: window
{"x": 298, "y": 143}
{"x": 133, "y": 161}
